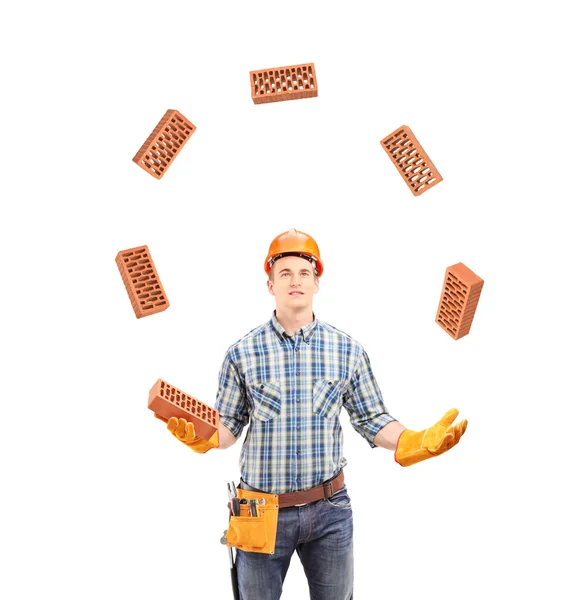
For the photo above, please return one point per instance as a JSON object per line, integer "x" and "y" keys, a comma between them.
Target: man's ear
{"x": 317, "y": 281}
{"x": 270, "y": 287}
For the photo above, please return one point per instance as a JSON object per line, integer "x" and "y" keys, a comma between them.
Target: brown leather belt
{"x": 325, "y": 490}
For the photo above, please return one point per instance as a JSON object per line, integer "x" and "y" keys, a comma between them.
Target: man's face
{"x": 294, "y": 283}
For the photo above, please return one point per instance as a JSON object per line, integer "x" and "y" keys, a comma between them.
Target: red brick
{"x": 167, "y": 401}
{"x": 459, "y": 299}
{"x": 284, "y": 83}
{"x": 414, "y": 165}
{"x": 164, "y": 143}
{"x": 142, "y": 282}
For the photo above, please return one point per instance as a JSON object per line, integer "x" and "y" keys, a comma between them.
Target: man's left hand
{"x": 415, "y": 446}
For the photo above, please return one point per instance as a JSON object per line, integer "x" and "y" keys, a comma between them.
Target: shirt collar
{"x": 306, "y": 331}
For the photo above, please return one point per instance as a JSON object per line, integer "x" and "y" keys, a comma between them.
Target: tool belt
{"x": 258, "y": 533}
{"x": 254, "y": 533}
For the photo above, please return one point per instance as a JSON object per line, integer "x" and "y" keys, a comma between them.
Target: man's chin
{"x": 297, "y": 301}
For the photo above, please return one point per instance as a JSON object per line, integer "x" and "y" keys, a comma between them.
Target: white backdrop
{"x": 99, "y": 500}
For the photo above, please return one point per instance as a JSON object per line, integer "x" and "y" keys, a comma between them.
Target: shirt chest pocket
{"x": 327, "y": 397}
{"x": 266, "y": 400}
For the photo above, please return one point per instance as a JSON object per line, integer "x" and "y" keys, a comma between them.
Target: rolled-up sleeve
{"x": 231, "y": 403}
{"x": 364, "y": 402}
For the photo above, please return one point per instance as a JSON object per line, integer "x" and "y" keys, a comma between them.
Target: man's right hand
{"x": 182, "y": 430}
{"x": 185, "y": 433}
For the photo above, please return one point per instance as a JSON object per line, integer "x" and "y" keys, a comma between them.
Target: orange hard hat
{"x": 294, "y": 243}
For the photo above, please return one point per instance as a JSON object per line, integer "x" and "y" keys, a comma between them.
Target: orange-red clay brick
{"x": 164, "y": 143}
{"x": 142, "y": 282}
{"x": 458, "y": 303}
{"x": 407, "y": 154}
{"x": 283, "y": 83}
{"x": 167, "y": 401}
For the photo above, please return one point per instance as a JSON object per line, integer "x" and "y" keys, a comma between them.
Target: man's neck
{"x": 292, "y": 321}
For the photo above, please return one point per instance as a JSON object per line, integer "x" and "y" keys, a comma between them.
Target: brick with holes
{"x": 284, "y": 83}
{"x": 142, "y": 282}
{"x": 407, "y": 154}
{"x": 167, "y": 401}
{"x": 458, "y": 303}
{"x": 164, "y": 143}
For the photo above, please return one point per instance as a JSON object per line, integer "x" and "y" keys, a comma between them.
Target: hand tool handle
{"x": 234, "y": 584}
{"x": 235, "y": 507}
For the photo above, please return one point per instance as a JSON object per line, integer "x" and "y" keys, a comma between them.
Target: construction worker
{"x": 289, "y": 379}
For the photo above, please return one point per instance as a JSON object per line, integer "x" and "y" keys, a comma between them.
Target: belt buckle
{"x": 324, "y": 485}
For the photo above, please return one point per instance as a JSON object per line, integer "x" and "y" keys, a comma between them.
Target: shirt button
{"x": 297, "y": 399}
{"x": 297, "y": 372}
{"x": 296, "y": 349}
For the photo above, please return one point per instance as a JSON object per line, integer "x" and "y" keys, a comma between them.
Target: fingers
{"x": 181, "y": 429}
{"x": 189, "y": 436}
{"x": 177, "y": 426}
{"x": 458, "y": 430}
{"x": 444, "y": 444}
{"x": 172, "y": 424}
{"x": 449, "y": 418}
{"x": 450, "y": 439}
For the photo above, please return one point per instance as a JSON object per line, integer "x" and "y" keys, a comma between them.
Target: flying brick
{"x": 413, "y": 164}
{"x": 142, "y": 282}
{"x": 164, "y": 143}
{"x": 283, "y": 83}
{"x": 459, "y": 299}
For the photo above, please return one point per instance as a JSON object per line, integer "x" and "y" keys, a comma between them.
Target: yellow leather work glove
{"x": 415, "y": 446}
{"x": 185, "y": 432}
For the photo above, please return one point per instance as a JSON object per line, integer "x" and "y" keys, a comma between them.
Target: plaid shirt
{"x": 291, "y": 389}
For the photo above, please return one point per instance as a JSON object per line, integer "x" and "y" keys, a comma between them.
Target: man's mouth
{"x": 296, "y": 293}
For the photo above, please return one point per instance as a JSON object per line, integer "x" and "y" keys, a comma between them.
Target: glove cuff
{"x": 409, "y": 449}
{"x": 397, "y": 447}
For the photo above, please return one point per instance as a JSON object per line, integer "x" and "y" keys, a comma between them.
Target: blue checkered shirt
{"x": 290, "y": 389}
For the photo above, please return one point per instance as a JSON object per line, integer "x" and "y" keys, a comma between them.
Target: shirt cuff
{"x": 370, "y": 429}
{"x": 234, "y": 425}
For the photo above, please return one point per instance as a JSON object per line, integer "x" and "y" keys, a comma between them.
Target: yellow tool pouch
{"x": 254, "y": 534}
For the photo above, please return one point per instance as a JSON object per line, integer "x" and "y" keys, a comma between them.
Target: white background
{"x": 99, "y": 500}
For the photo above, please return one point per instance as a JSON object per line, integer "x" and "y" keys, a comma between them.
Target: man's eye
{"x": 284, "y": 274}
{"x": 305, "y": 274}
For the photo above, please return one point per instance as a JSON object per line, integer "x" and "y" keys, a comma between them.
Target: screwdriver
{"x": 233, "y": 500}
{"x": 235, "y": 506}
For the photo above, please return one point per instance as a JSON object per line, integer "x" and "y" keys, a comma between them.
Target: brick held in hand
{"x": 164, "y": 143}
{"x": 167, "y": 401}
{"x": 284, "y": 83}
{"x": 142, "y": 282}
{"x": 414, "y": 165}
{"x": 458, "y": 303}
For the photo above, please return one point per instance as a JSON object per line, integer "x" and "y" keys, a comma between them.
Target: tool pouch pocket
{"x": 254, "y": 534}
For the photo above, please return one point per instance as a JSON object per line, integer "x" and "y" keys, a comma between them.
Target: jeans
{"x": 322, "y": 534}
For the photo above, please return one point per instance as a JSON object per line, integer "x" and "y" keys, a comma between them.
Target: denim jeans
{"x": 322, "y": 534}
